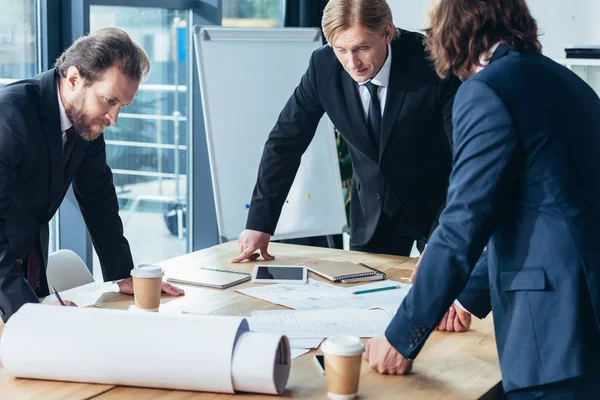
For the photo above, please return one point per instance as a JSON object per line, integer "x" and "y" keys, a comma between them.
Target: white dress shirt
{"x": 382, "y": 79}
{"x": 64, "y": 120}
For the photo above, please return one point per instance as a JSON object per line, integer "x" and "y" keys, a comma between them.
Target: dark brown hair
{"x": 96, "y": 52}
{"x": 460, "y": 31}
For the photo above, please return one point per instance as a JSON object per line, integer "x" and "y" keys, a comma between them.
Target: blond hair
{"x": 340, "y": 15}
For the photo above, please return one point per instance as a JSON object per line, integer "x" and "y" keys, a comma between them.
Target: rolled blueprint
{"x": 185, "y": 352}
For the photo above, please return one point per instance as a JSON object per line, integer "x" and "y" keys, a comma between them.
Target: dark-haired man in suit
{"x": 51, "y": 135}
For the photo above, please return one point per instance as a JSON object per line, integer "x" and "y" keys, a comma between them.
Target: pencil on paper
{"x": 376, "y": 289}
{"x": 62, "y": 303}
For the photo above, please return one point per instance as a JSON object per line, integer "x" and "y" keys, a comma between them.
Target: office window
{"x": 18, "y": 43}
{"x": 147, "y": 149}
{"x": 253, "y": 13}
{"x": 19, "y": 55}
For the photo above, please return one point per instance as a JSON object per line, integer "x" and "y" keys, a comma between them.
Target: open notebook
{"x": 347, "y": 272}
{"x": 218, "y": 278}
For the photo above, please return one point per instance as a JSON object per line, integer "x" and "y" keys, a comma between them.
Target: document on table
{"x": 321, "y": 323}
{"x": 385, "y": 299}
{"x": 313, "y": 295}
{"x": 317, "y": 295}
{"x": 299, "y": 352}
{"x": 305, "y": 343}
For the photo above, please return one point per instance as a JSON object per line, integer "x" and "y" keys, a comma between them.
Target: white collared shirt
{"x": 382, "y": 79}
{"x": 64, "y": 120}
{"x": 485, "y": 58}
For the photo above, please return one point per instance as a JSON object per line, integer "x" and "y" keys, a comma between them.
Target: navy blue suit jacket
{"x": 526, "y": 178}
{"x": 33, "y": 184}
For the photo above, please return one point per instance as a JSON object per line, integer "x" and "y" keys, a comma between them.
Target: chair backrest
{"x": 66, "y": 270}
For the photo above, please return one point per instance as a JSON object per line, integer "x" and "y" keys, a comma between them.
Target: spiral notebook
{"x": 217, "y": 278}
{"x": 347, "y": 272}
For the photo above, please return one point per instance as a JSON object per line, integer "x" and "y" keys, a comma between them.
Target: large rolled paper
{"x": 260, "y": 361}
{"x": 186, "y": 352}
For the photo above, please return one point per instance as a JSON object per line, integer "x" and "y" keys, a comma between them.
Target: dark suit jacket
{"x": 33, "y": 184}
{"x": 526, "y": 176}
{"x": 414, "y": 158}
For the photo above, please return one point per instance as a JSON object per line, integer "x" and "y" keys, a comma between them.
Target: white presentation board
{"x": 246, "y": 77}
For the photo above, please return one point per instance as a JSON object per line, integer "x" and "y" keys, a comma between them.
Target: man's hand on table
{"x": 384, "y": 358}
{"x": 126, "y": 287}
{"x": 250, "y": 242}
{"x": 456, "y": 319}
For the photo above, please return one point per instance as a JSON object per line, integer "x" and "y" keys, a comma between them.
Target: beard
{"x": 82, "y": 123}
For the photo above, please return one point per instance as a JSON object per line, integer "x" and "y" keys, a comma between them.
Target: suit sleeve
{"x": 446, "y": 92}
{"x": 485, "y": 166}
{"x": 14, "y": 288}
{"x": 95, "y": 193}
{"x": 289, "y": 139}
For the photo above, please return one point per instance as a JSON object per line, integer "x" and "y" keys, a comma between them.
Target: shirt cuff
{"x": 457, "y": 303}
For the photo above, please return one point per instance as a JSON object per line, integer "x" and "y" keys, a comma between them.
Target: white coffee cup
{"x": 343, "y": 359}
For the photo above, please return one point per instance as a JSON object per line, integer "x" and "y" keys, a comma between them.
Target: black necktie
{"x": 71, "y": 138}
{"x": 374, "y": 118}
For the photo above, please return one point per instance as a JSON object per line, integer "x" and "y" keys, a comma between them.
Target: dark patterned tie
{"x": 374, "y": 118}
{"x": 71, "y": 139}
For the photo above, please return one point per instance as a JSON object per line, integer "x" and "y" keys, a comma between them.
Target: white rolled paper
{"x": 261, "y": 361}
{"x": 186, "y": 352}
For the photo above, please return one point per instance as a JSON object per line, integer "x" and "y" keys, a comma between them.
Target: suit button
{"x": 411, "y": 344}
{"x": 422, "y": 329}
{"x": 19, "y": 261}
{"x": 378, "y": 196}
{"x": 419, "y": 334}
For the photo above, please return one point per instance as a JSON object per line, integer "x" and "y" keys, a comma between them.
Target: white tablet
{"x": 279, "y": 274}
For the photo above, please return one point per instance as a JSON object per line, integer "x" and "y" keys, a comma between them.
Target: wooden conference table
{"x": 450, "y": 366}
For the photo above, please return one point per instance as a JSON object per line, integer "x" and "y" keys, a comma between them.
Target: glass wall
{"x": 148, "y": 147}
{"x": 18, "y": 40}
{"x": 19, "y": 56}
{"x": 253, "y": 13}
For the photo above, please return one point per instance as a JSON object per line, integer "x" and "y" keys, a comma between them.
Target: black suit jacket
{"x": 414, "y": 158}
{"x": 33, "y": 184}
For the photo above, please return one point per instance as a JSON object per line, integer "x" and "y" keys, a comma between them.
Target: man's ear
{"x": 389, "y": 33}
{"x": 73, "y": 78}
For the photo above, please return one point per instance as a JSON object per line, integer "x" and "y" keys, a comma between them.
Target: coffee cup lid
{"x": 343, "y": 345}
{"x": 147, "y": 271}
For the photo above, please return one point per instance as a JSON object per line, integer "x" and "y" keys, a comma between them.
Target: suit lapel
{"x": 52, "y": 132}
{"x": 399, "y": 80}
{"x": 356, "y": 112}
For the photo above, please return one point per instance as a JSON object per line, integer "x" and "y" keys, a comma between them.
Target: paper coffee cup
{"x": 147, "y": 282}
{"x": 343, "y": 359}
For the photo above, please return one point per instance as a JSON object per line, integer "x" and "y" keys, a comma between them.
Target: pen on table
{"x": 376, "y": 289}
{"x": 62, "y": 303}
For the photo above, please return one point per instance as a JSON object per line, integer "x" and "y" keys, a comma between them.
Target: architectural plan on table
{"x": 321, "y": 323}
{"x": 317, "y": 295}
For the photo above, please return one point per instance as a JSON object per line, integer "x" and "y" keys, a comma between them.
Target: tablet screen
{"x": 280, "y": 273}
